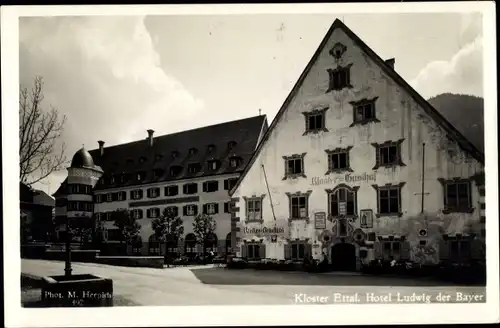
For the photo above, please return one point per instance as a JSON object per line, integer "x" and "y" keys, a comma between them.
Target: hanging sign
{"x": 278, "y": 228}
{"x": 320, "y": 220}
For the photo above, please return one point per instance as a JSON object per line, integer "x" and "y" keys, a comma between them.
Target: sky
{"x": 115, "y": 77}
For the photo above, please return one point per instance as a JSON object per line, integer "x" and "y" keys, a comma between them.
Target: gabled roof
{"x": 140, "y": 156}
{"x": 452, "y": 132}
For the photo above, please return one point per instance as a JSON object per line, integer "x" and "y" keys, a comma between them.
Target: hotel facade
{"x": 190, "y": 172}
{"x": 357, "y": 166}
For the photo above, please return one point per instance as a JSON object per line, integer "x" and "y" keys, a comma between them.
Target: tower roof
{"x": 82, "y": 158}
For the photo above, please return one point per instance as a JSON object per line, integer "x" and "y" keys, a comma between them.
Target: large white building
{"x": 190, "y": 171}
{"x": 357, "y": 166}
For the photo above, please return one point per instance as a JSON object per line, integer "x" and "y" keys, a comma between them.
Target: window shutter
{"x": 377, "y": 155}
{"x": 262, "y": 251}
{"x": 184, "y": 210}
{"x": 195, "y": 209}
{"x": 140, "y": 214}
{"x": 307, "y": 250}
{"x": 148, "y": 213}
{"x": 216, "y": 210}
{"x": 288, "y": 251}
{"x": 205, "y": 209}
{"x": 405, "y": 250}
{"x": 131, "y": 194}
{"x": 308, "y": 118}
{"x": 216, "y": 183}
{"x": 243, "y": 250}
{"x": 140, "y": 194}
{"x": 444, "y": 250}
{"x": 378, "y": 248}
{"x": 148, "y": 193}
{"x": 204, "y": 186}
{"x": 226, "y": 184}
{"x": 114, "y": 196}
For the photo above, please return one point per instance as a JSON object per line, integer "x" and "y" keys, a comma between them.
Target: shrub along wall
{"x": 132, "y": 261}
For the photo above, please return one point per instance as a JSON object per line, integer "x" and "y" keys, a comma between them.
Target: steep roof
{"x": 140, "y": 156}
{"x": 452, "y": 132}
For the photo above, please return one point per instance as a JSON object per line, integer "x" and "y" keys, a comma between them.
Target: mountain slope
{"x": 465, "y": 112}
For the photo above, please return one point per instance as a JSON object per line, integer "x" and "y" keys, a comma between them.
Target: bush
{"x": 237, "y": 263}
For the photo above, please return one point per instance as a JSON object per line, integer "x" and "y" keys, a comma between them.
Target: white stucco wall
{"x": 400, "y": 117}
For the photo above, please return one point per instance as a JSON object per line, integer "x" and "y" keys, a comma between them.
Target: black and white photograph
{"x": 250, "y": 164}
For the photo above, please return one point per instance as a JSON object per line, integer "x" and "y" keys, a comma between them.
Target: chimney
{"x": 390, "y": 62}
{"x": 150, "y": 137}
{"x": 101, "y": 147}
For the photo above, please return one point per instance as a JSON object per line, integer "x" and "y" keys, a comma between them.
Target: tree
{"x": 127, "y": 225}
{"x": 39, "y": 131}
{"x": 168, "y": 227}
{"x": 203, "y": 227}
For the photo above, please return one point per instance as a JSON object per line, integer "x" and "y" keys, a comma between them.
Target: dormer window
{"x": 213, "y": 165}
{"x": 157, "y": 173}
{"x": 235, "y": 161}
{"x": 112, "y": 180}
{"x": 174, "y": 154}
{"x": 211, "y": 148}
{"x": 231, "y": 145}
{"x": 194, "y": 168}
{"x": 175, "y": 171}
{"x": 192, "y": 151}
{"x": 140, "y": 176}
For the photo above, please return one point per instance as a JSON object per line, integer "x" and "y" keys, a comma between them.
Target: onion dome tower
{"x": 82, "y": 177}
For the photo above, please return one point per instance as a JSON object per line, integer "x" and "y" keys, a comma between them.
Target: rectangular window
{"x": 298, "y": 207}
{"x": 153, "y": 192}
{"x": 190, "y": 188}
{"x": 338, "y": 161}
{"x": 174, "y": 209}
{"x": 458, "y": 196}
{"x": 213, "y": 165}
{"x": 190, "y": 210}
{"x": 230, "y": 183}
{"x": 389, "y": 200}
{"x": 98, "y": 198}
{"x": 298, "y": 251}
{"x": 210, "y": 186}
{"x": 254, "y": 209}
{"x": 171, "y": 191}
{"x": 211, "y": 208}
{"x": 153, "y": 212}
{"x": 137, "y": 214}
{"x": 122, "y": 195}
{"x": 253, "y": 252}
{"x": 365, "y": 112}
{"x": 388, "y": 155}
{"x": 315, "y": 122}
{"x": 391, "y": 250}
{"x": 339, "y": 78}
{"x": 109, "y": 197}
{"x": 136, "y": 194}
{"x": 227, "y": 207}
{"x": 194, "y": 168}
{"x": 342, "y": 202}
{"x": 294, "y": 166}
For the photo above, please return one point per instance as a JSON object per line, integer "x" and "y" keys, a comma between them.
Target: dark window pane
{"x": 395, "y": 246}
{"x": 301, "y": 251}
{"x": 394, "y": 205}
{"x": 302, "y": 201}
{"x": 341, "y": 195}
{"x": 393, "y": 193}
{"x": 295, "y": 201}
{"x": 384, "y": 193}
{"x": 384, "y": 206}
{"x": 350, "y": 208}
{"x": 387, "y": 246}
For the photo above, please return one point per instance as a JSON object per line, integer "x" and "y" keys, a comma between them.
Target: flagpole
{"x": 269, "y": 192}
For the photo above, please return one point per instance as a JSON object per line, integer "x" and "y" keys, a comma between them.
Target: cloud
{"x": 463, "y": 73}
{"x": 104, "y": 74}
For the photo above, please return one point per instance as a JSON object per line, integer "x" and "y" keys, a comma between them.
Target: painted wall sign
{"x": 278, "y": 228}
{"x": 365, "y": 177}
{"x": 320, "y": 220}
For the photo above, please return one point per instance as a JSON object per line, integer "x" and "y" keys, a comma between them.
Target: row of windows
{"x": 342, "y": 201}
{"x": 80, "y": 206}
{"x": 154, "y": 212}
{"x": 174, "y": 171}
{"x": 76, "y": 188}
{"x": 187, "y": 189}
{"x": 386, "y": 155}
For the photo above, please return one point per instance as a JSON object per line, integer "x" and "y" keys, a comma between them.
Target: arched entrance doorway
{"x": 228, "y": 243}
{"x": 171, "y": 252}
{"x": 190, "y": 245}
{"x": 343, "y": 257}
{"x": 210, "y": 244}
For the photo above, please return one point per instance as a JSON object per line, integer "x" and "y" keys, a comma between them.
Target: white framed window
{"x": 120, "y": 196}
{"x": 98, "y": 198}
{"x": 211, "y": 208}
{"x": 137, "y": 214}
{"x": 109, "y": 197}
{"x": 254, "y": 209}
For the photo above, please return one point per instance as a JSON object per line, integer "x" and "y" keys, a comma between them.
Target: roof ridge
{"x": 464, "y": 143}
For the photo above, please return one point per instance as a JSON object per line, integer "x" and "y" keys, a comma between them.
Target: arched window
{"x": 172, "y": 250}
{"x": 154, "y": 245}
{"x": 342, "y": 201}
{"x": 190, "y": 245}
{"x": 210, "y": 243}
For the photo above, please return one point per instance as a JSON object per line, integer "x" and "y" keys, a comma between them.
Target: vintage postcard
{"x": 250, "y": 164}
